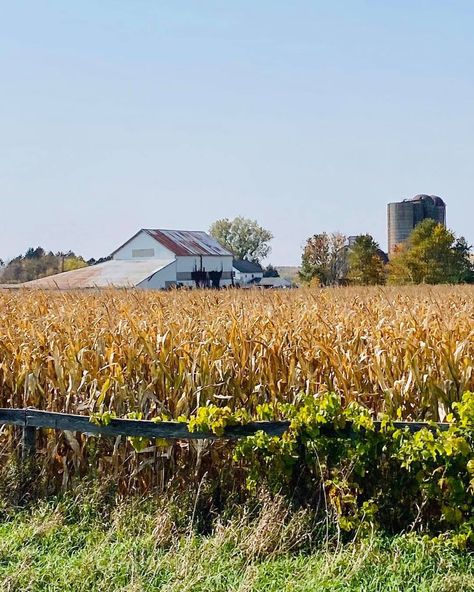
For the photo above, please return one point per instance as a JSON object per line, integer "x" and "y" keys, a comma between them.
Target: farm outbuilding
{"x": 246, "y": 271}
{"x": 153, "y": 259}
{"x": 274, "y": 282}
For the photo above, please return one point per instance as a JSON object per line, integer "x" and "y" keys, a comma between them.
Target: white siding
{"x": 143, "y": 243}
{"x": 179, "y": 268}
{"x": 215, "y": 263}
{"x": 244, "y": 278}
{"x": 161, "y": 279}
{"x": 186, "y": 265}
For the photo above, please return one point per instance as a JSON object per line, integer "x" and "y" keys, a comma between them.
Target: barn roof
{"x": 114, "y": 273}
{"x": 183, "y": 242}
{"x": 245, "y": 266}
{"x": 188, "y": 242}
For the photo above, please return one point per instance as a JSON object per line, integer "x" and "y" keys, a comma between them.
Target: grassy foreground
{"x": 79, "y": 545}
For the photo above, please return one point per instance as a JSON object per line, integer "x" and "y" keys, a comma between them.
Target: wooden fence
{"x": 30, "y": 420}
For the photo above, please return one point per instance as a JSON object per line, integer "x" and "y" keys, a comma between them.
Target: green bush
{"x": 366, "y": 475}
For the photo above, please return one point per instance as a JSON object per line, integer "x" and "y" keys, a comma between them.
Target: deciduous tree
{"x": 270, "y": 271}
{"x": 325, "y": 258}
{"x": 245, "y": 238}
{"x": 432, "y": 255}
{"x": 366, "y": 264}
{"x": 37, "y": 263}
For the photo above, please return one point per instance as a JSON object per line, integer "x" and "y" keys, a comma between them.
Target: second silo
{"x": 403, "y": 216}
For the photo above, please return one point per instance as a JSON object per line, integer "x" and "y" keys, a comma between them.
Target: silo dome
{"x": 437, "y": 201}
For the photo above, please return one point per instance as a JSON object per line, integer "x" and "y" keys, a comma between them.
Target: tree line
{"x": 432, "y": 254}
{"x": 37, "y": 263}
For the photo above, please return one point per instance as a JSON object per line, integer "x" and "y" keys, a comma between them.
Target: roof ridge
{"x": 177, "y": 230}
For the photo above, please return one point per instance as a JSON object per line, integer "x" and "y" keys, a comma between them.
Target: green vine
{"x": 333, "y": 456}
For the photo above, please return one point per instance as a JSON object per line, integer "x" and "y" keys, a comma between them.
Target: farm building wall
{"x": 143, "y": 246}
{"x": 162, "y": 279}
{"x": 244, "y": 278}
{"x": 186, "y": 265}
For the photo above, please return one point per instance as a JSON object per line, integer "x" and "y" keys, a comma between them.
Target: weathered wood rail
{"x": 30, "y": 420}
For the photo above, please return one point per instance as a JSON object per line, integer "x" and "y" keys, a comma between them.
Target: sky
{"x": 307, "y": 116}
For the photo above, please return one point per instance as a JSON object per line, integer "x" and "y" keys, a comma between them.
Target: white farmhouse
{"x": 153, "y": 259}
{"x": 246, "y": 272}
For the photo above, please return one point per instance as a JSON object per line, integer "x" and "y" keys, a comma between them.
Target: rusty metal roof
{"x": 188, "y": 242}
{"x": 115, "y": 273}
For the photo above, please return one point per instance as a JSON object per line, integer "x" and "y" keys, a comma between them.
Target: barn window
{"x": 143, "y": 252}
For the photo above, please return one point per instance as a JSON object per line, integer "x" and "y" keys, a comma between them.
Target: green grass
{"x": 76, "y": 545}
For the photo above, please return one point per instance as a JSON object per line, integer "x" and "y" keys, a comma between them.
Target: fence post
{"x": 28, "y": 442}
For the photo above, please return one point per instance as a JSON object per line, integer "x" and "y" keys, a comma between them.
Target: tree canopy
{"x": 324, "y": 258}
{"x": 270, "y": 271}
{"x": 245, "y": 238}
{"x": 432, "y": 255}
{"x": 37, "y": 263}
{"x": 366, "y": 262}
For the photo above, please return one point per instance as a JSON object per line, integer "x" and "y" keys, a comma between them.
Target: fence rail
{"x": 33, "y": 419}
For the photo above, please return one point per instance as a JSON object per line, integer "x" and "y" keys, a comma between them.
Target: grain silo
{"x": 403, "y": 216}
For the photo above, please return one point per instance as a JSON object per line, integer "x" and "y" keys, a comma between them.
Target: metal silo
{"x": 403, "y": 216}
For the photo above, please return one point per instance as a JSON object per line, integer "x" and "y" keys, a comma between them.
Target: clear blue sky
{"x": 306, "y": 115}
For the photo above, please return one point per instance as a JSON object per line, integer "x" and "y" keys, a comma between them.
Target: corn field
{"x": 408, "y": 352}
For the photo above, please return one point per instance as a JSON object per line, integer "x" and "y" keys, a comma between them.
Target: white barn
{"x": 153, "y": 259}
